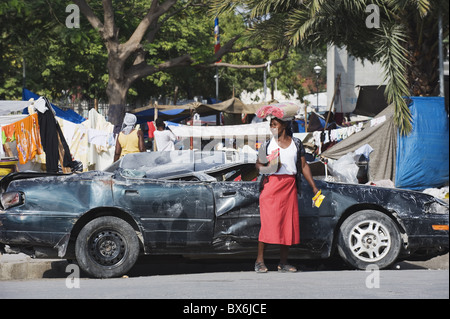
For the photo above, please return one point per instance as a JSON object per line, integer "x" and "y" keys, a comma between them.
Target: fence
{"x": 83, "y": 107}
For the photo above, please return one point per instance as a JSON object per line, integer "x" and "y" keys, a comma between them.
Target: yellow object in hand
{"x": 318, "y": 198}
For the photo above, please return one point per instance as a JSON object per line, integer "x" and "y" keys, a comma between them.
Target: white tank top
{"x": 288, "y": 157}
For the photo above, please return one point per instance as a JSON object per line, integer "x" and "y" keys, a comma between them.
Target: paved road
{"x": 208, "y": 280}
{"x": 248, "y": 285}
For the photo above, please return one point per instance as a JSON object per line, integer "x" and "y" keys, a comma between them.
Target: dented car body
{"x": 194, "y": 203}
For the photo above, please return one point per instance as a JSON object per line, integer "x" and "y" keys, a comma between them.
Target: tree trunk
{"x": 117, "y": 87}
{"x": 423, "y": 72}
{"x": 119, "y": 51}
{"x": 116, "y": 92}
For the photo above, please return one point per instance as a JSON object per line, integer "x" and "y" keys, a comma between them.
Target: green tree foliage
{"x": 64, "y": 62}
{"x": 58, "y": 61}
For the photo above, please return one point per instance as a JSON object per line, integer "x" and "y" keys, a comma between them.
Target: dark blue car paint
{"x": 198, "y": 217}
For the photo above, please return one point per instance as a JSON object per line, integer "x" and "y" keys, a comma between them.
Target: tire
{"x": 107, "y": 247}
{"x": 369, "y": 237}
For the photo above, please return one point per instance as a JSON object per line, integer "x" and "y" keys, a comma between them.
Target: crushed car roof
{"x": 170, "y": 163}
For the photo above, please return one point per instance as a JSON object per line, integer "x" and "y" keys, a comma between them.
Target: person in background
{"x": 130, "y": 139}
{"x": 164, "y": 139}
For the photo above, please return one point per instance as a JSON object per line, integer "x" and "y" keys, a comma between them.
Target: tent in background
{"x": 423, "y": 155}
{"x": 148, "y": 114}
{"x": 417, "y": 161}
{"x": 253, "y": 130}
{"x": 166, "y": 112}
{"x": 68, "y": 115}
{"x": 7, "y": 107}
{"x": 381, "y": 134}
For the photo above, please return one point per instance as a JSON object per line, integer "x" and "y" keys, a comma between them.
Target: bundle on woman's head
{"x": 282, "y": 111}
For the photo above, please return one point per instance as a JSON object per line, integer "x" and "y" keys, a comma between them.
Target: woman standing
{"x": 130, "y": 139}
{"x": 278, "y": 200}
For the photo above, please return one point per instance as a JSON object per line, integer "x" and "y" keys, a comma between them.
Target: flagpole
{"x": 217, "y": 83}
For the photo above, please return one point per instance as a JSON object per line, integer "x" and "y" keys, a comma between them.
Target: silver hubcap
{"x": 369, "y": 241}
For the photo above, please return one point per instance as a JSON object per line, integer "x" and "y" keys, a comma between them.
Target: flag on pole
{"x": 216, "y": 36}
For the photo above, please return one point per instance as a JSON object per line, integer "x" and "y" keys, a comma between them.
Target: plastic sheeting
{"x": 7, "y": 107}
{"x": 234, "y": 106}
{"x": 68, "y": 115}
{"x": 261, "y": 130}
{"x": 417, "y": 161}
{"x": 423, "y": 155}
{"x": 381, "y": 135}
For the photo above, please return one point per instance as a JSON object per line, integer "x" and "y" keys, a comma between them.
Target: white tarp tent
{"x": 227, "y": 131}
{"x": 7, "y": 107}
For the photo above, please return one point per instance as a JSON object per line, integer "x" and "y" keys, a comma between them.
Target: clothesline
{"x": 335, "y": 135}
{"x": 91, "y": 142}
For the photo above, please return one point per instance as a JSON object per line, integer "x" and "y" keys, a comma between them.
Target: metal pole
{"x": 217, "y": 83}
{"x": 24, "y": 75}
{"x": 155, "y": 116}
{"x": 317, "y": 70}
{"x": 265, "y": 84}
{"x": 317, "y": 86}
{"x": 441, "y": 59}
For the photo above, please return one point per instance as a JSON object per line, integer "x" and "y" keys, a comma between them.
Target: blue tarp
{"x": 148, "y": 115}
{"x": 423, "y": 155}
{"x": 68, "y": 115}
{"x": 301, "y": 124}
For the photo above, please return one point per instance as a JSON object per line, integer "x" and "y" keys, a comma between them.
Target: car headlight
{"x": 436, "y": 207}
{"x": 11, "y": 199}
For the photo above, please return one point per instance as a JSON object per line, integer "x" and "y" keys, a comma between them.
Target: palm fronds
{"x": 392, "y": 56}
{"x": 342, "y": 23}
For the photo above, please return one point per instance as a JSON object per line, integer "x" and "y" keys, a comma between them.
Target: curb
{"x": 22, "y": 267}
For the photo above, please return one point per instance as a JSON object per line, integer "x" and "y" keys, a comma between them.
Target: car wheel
{"x": 369, "y": 238}
{"x": 107, "y": 247}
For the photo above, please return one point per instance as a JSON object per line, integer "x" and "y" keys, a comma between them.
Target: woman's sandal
{"x": 260, "y": 267}
{"x": 286, "y": 268}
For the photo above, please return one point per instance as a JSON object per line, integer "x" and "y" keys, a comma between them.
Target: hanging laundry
{"x": 8, "y": 133}
{"x": 28, "y": 138}
{"x": 51, "y": 136}
{"x": 77, "y": 139}
{"x": 317, "y": 140}
{"x": 151, "y": 129}
{"x": 26, "y": 134}
{"x": 101, "y": 138}
{"x": 99, "y": 156}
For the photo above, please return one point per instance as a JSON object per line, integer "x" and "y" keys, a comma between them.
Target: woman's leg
{"x": 260, "y": 257}
{"x": 284, "y": 251}
{"x": 259, "y": 264}
{"x": 283, "y": 266}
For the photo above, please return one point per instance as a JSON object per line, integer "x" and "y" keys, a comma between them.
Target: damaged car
{"x": 205, "y": 203}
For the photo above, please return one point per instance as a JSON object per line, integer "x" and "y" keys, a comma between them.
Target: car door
{"x": 173, "y": 213}
{"x": 316, "y": 223}
{"x": 236, "y": 206}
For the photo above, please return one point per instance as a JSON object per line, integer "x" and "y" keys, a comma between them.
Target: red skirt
{"x": 278, "y": 206}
